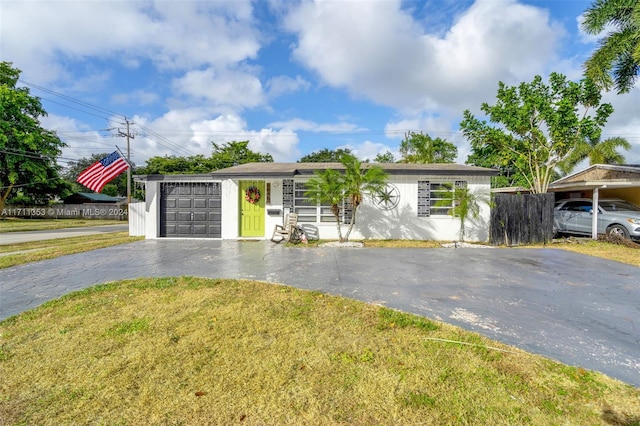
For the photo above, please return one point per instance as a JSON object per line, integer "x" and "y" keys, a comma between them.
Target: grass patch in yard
{"x": 189, "y": 350}
{"x": 10, "y": 224}
{"x": 18, "y": 254}
{"x": 629, "y": 254}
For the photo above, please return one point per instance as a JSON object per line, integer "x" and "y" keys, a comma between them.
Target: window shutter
{"x": 424, "y": 198}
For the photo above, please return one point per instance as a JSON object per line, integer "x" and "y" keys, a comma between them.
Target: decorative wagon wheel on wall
{"x": 388, "y": 198}
{"x": 252, "y": 195}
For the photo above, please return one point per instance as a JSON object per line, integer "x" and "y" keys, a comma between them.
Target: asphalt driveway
{"x": 577, "y": 309}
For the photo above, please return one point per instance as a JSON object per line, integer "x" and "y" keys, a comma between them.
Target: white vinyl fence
{"x": 136, "y": 219}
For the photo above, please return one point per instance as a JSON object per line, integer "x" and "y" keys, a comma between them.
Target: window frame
{"x": 322, "y": 214}
{"x": 430, "y": 193}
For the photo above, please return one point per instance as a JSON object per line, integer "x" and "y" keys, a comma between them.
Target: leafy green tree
{"x": 28, "y": 152}
{"x": 171, "y": 164}
{"x": 597, "y": 152}
{"x": 327, "y": 187}
{"x": 387, "y": 157}
{"x": 332, "y": 187}
{"x": 489, "y": 156}
{"x": 223, "y": 156}
{"x": 538, "y": 126}
{"x": 234, "y": 153}
{"x": 325, "y": 155}
{"x": 421, "y": 148}
{"x": 616, "y": 62}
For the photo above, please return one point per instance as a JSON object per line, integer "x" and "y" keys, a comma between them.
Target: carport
{"x": 600, "y": 181}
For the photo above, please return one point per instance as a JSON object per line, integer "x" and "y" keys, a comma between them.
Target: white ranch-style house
{"x": 247, "y": 202}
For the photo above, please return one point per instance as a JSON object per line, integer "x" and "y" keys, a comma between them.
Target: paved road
{"x": 577, "y": 309}
{"x": 23, "y": 237}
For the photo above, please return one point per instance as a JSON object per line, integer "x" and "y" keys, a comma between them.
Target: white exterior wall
{"x": 275, "y": 204}
{"x": 152, "y": 210}
{"x": 402, "y": 222}
{"x": 230, "y": 210}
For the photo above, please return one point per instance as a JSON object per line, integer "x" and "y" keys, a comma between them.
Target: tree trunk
{"x": 4, "y": 197}
{"x": 353, "y": 220}
{"x": 336, "y": 212}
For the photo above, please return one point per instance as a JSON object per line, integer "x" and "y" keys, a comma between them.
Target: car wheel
{"x": 617, "y": 231}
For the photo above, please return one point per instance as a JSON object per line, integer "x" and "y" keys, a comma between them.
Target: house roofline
{"x": 173, "y": 178}
{"x": 290, "y": 170}
{"x": 633, "y": 168}
{"x": 304, "y": 169}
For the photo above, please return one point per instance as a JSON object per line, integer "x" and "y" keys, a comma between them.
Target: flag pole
{"x": 129, "y": 170}
{"x": 129, "y": 136}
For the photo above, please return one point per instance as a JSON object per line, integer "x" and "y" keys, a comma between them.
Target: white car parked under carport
{"x": 615, "y": 217}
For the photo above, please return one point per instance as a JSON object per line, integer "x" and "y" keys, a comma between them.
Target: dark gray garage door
{"x": 191, "y": 210}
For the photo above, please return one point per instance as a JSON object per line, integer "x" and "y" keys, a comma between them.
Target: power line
{"x": 165, "y": 139}
{"x": 30, "y": 184}
{"x": 105, "y": 114}
{"x": 72, "y": 99}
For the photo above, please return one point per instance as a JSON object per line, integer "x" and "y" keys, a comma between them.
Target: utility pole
{"x": 129, "y": 136}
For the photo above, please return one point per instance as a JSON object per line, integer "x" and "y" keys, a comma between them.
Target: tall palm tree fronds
{"x": 358, "y": 182}
{"x": 332, "y": 187}
{"x": 598, "y": 152}
{"x": 327, "y": 187}
{"x": 466, "y": 204}
{"x": 617, "y": 60}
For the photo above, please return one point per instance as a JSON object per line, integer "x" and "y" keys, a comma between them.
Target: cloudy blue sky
{"x": 290, "y": 76}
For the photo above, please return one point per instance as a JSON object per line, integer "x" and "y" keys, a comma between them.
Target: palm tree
{"x": 358, "y": 182}
{"x": 327, "y": 187}
{"x": 619, "y": 52}
{"x": 465, "y": 204}
{"x": 598, "y": 152}
{"x": 332, "y": 187}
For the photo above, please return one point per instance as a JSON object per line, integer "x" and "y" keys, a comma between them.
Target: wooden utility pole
{"x": 129, "y": 136}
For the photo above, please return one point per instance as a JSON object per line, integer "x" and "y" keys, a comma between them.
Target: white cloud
{"x": 191, "y": 131}
{"x": 139, "y": 97}
{"x": 282, "y": 85}
{"x": 298, "y": 124}
{"x": 378, "y": 51}
{"x": 625, "y": 121}
{"x": 591, "y": 38}
{"x": 196, "y": 67}
{"x": 236, "y": 89}
{"x": 433, "y": 126}
{"x": 41, "y": 36}
{"x": 80, "y": 139}
{"x": 281, "y": 144}
{"x": 368, "y": 150}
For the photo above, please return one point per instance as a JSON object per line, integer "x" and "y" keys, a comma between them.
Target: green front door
{"x": 251, "y": 198}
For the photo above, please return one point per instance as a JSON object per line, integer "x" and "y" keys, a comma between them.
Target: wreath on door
{"x": 252, "y": 195}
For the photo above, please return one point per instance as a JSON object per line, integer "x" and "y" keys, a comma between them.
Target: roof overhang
{"x": 173, "y": 178}
{"x": 603, "y": 184}
{"x": 289, "y": 170}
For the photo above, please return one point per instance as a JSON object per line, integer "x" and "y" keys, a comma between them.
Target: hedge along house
{"x": 248, "y": 200}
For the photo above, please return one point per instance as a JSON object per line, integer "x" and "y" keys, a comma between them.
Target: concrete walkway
{"x": 577, "y": 309}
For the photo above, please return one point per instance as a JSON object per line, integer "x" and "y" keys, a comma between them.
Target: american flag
{"x": 102, "y": 172}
